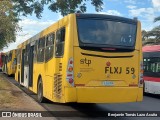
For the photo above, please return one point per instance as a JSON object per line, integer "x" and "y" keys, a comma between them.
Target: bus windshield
{"x": 103, "y": 32}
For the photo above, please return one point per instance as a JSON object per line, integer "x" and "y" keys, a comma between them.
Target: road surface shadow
{"x": 76, "y": 110}
{"x": 152, "y": 95}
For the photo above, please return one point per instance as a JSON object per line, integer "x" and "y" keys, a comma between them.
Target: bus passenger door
{"x": 5, "y": 64}
{"x": 22, "y": 67}
{"x": 26, "y": 65}
{"x": 31, "y": 58}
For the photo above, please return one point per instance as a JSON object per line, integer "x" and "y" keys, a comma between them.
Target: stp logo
{"x": 85, "y": 61}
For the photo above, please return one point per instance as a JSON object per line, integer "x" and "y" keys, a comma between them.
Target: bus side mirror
{"x": 15, "y": 61}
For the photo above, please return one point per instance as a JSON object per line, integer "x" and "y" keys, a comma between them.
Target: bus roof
{"x": 79, "y": 15}
{"x": 151, "y": 48}
{"x": 105, "y": 16}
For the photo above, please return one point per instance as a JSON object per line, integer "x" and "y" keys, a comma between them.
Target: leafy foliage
{"x": 10, "y": 10}
{"x": 157, "y": 19}
{"x": 69, "y": 6}
{"x": 25, "y": 7}
{"x": 157, "y": 28}
{"x": 8, "y": 23}
{"x": 153, "y": 36}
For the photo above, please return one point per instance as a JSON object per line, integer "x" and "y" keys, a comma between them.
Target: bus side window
{"x": 18, "y": 56}
{"x": 15, "y": 61}
{"x": 26, "y": 57}
{"x": 41, "y": 47}
{"x": 158, "y": 67}
{"x": 49, "y": 46}
{"x": 6, "y": 58}
{"x": 10, "y": 57}
{"x": 35, "y": 51}
{"x": 60, "y": 39}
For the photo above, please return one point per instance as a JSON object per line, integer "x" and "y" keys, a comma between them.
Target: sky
{"x": 144, "y": 10}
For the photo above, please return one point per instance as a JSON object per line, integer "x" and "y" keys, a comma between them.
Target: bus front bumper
{"x": 103, "y": 94}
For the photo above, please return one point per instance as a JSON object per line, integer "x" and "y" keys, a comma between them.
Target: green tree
{"x": 8, "y": 23}
{"x": 157, "y": 28}
{"x": 153, "y": 36}
{"x": 144, "y": 35}
{"x": 10, "y": 10}
{"x": 25, "y": 7}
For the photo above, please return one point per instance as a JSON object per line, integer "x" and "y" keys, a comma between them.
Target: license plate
{"x": 107, "y": 83}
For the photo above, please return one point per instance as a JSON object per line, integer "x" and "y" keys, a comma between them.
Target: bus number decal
{"x": 130, "y": 70}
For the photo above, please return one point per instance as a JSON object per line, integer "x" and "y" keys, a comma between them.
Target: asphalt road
{"x": 83, "y": 111}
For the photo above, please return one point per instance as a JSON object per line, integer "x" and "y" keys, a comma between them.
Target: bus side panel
{"x": 50, "y": 67}
{"x": 61, "y": 63}
{"x": 69, "y": 90}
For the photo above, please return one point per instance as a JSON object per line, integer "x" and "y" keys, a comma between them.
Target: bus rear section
{"x": 107, "y": 60}
{"x": 1, "y": 60}
{"x": 151, "y": 59}
{"x": 9, "y": 64}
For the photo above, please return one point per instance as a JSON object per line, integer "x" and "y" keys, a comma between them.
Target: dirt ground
{"x": 14, "y": 99}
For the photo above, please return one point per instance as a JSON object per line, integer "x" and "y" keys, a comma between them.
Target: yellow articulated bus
{"x": 84, "y": 58}
{"x": 9, "y": 66}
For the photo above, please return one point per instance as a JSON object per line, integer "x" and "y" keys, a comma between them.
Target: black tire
{"x": 9, "y": 75}
{"x": 19, "y": 83}
{"x": 41, "y": 99}
{"x": 18, "y": 78}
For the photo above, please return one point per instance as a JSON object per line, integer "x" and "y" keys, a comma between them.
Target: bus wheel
{"x": 18, "y": 78}
{"x": 41, "y": 99}
{"x": 19, "y": 83}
